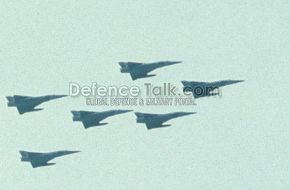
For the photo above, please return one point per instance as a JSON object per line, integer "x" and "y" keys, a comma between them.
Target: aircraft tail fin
{"x": 10, "y": 98}
{"x": 191, "y": 83}
{"x": 139, "y": 114}
{"x": 76, "y": 115}
{"x": 122, "y": 64}
{"x": 129, "y": 64}
{"x": 11, "y": 101}
{"x": 26, "y": 154}
{"x": 19, "y": 97}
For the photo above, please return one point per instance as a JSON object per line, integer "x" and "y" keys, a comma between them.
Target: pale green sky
{"x": 240, "y": 141}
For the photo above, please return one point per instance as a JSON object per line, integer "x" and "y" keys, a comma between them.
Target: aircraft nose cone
{"x": 175, "y": 62}
{"x": 189, "y": 113}
{"x": 56, "y": 96}
{"x": 72, "y": 152}
{"x": 60, "y": 96}
{"x": 184, "y": 113}
{"x": 235, "y": 81}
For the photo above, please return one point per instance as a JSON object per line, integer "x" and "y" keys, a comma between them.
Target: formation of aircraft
{"x": 90, "y": 119}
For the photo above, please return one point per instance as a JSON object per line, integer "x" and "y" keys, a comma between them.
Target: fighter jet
{"x": 156, "y": 120}
{"x": 203, "y": 89}
{"x": 38, "y": 159}
{"x": 28, "y": 103}
{"x": 141, "y": 70}
{"x": 91, "y": 119}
